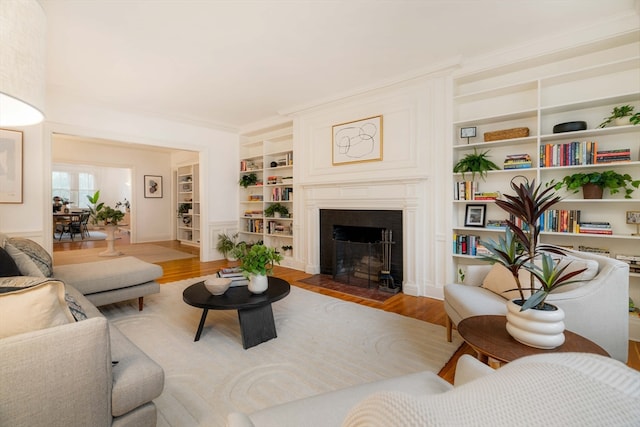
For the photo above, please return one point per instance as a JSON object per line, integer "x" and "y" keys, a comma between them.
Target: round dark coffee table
{"x": 488, "y": 336}
{"x": 254, "y": 311}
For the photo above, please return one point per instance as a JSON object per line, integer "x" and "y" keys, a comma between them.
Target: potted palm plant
{"x": 476, "y": 163}
{"x": 519, "y": 250}
{"x": 594, "y": 183}
{"x": 256, "y": 263}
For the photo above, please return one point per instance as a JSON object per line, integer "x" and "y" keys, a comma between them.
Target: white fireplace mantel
{"x": 403, "y": 194}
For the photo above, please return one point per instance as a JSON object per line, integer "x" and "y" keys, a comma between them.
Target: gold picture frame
{"x": 357, "y": 141}
{"x": 10, "y": 166}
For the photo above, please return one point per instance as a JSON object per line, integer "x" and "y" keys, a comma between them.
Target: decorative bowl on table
{"x": 217, "y": 285}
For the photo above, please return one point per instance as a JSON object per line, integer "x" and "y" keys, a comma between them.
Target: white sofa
{"x": 596, "y": 309}
{"x": 565, "y": 389}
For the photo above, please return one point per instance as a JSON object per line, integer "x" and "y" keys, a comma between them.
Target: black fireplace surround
{"x": 365, "y": 221}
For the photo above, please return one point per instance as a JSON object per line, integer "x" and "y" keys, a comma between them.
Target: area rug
{"x": 323, "y": 344}
{"x": 92, "y": 237}
{"x": 145, "y": 252}
{"x": 326, "y": 281}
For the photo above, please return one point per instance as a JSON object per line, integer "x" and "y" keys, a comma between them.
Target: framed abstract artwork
{"x": 358, "y": 141}
{"x": 153, "y": 186}
{"x": 10, "y": 166}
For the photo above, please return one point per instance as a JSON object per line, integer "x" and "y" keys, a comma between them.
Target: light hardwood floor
{"x": 426, "y": 309}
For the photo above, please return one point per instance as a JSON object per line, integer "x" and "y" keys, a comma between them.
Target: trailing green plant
{"x": 476, "y": 163}
{"x": 610, "y": 180}
{"x": 259, "y": 260}
{"x": 619, "y": 113}
{"x": 248, "y": 179}
{"x": 226, "y": 244}
{"x": 276, "y": 207}
{"x": 519, "y": 247}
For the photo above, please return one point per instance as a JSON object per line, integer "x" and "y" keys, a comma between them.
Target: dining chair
{"x": 71, "y": 226}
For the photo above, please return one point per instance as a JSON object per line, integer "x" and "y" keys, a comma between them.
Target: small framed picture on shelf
{"x": 475, "y": 215}
{"x": 633, "y": 217}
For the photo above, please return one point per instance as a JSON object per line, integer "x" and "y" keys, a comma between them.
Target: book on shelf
{"x": 617, "y": 155}
{"x": 627, "y": 258}
{"x": 493, "y": 195}
{"x": 465, "y": 244}
{"x": 598, "y": 227}
{"x": 496, "y": 223}
{"x": 597, "y": 251}
{"x": 573, "y": 153}
{"x": 517, "y": 161}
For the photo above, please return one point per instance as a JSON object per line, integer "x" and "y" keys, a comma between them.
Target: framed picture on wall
{"x": 474, "y": 215}
{"x": 10, "y": 166}
{"x": 358, "y": 141}
{"x": 153, "y": 186}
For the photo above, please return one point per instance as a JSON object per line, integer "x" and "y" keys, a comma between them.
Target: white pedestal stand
{"x": 111, "y": 241}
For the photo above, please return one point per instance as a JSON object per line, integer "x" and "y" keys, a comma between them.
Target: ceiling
{"x": 233, "y": 63}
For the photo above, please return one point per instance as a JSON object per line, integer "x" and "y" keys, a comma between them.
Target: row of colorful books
{"x": 578, "y": 153}
{"x": 467, "y": 244}
{"x": 469, "y": 190}
{"x": 281, "y": 194}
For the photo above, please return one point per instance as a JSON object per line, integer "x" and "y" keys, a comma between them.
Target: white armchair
{"x": 597, "y": 309}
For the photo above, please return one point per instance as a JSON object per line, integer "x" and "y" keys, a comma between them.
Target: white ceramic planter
{"x": 622, "y": 121}
{"x": 536, "y": 328}
{"x": 258, "y": 283}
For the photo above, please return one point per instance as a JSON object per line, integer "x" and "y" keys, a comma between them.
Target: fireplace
{"x": 354, "y": 244}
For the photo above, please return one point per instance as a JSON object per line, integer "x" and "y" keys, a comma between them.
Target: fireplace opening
{"x": 362, "y": 247}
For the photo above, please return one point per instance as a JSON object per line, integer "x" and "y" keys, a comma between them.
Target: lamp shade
{"x": 22, "y": 62}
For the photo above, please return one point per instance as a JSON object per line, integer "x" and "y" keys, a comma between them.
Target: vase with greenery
{"x": 622, "y": 115}
{"x": 276, "y": 208}
{"x": 256, "y": 263}
{"x": 226, "y": 245}
{"x": 610, "y": 180}
{"x": 248, "y": 179}
{"x": 520, "y": 249}
{"x": 476, "y": 163}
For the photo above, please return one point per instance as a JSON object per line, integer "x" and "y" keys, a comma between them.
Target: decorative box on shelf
{"x": 506, "y": 134}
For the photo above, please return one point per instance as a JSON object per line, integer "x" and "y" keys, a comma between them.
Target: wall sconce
{"x": 22, "y": 62}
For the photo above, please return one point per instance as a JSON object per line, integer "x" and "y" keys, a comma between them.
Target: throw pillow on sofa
{"x": 31, "y": 258}
{"x": 499, "y": 280}
{"x": 34, "y": 308}
{"x": 8, "y": 266}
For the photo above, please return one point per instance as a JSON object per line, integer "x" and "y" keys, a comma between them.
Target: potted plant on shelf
{"x": 287, "y": 249}
{"x": 226, "y": 245}
{"x": 476, "y": 163}
{"x": 248, "y": 179}
{"x": 621, "y": 116}
{"x": 183, "y": 208}
{"x": 276, "y": 210}
{"x": 256, "y": 263}
{"x": 519, "y": 250}
{"x": 594, "y": 183}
